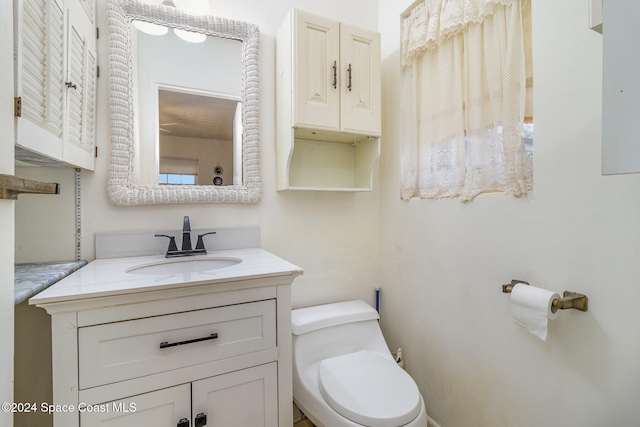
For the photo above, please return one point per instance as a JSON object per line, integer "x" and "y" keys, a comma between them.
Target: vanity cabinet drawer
{"x": 119, "y": 351}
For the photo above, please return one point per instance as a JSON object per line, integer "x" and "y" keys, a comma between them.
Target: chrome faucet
{"x": 187, "y": 249}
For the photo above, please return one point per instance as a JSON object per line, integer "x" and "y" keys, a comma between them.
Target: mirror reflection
{"x": 200, "y": 135}
{"x": 187, "y": 90}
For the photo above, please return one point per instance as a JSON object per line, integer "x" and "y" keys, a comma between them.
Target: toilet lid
{"x": 369, "y": 389}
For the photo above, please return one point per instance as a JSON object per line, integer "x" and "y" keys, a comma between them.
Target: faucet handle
{"x": 200, "y": 244}
{"x": 172, "y": 242}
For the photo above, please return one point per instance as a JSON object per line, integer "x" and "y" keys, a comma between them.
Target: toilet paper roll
{"x": 531, "y": 308}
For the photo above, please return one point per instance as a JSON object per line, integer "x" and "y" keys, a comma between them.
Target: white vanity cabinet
{"x": 56, "y": 80}
{"x": 173, "y": 354}
{"x": 328, "y": 104}
{"x": 243, "y": 398}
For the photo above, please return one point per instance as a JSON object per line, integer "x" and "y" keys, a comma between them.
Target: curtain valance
{"x": 433, "y": 21}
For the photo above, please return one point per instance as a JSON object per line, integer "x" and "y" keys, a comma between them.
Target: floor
{"x": 299, "y": 420}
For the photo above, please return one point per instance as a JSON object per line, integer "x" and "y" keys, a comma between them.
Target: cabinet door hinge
{"x": 98, "y": 71}
{"x": 96, "y": 151}
{"x": 17, "y": 106}
{"x": 97, "y": 32}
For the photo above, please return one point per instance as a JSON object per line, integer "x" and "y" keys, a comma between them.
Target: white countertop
{"x": 108, "y": 277}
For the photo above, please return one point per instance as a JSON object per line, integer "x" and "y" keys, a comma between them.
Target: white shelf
{"x": 322, "y": 165}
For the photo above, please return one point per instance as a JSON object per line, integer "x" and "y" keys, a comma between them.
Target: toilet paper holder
{"x": 569, "y": 299}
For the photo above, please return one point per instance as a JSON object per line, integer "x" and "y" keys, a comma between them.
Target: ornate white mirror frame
{"x": 121, "y": 188}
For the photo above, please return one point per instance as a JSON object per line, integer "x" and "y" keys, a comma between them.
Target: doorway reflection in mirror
{"x": 199, "y": 134}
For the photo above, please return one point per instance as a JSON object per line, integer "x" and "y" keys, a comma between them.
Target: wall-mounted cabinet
{"x": 56, "y": 80}
{"x": 327, "y": 104}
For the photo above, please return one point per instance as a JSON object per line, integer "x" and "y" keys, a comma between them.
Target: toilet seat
{"x": 369, "y": 389}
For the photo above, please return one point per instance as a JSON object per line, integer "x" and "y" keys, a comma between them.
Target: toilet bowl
{"x": 344, "y": 374}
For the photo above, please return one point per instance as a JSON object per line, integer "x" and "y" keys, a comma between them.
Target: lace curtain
{"x": 464, "y": 89}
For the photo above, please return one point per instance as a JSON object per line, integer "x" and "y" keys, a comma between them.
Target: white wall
{"x": 445, "y": 260}
{"x": 7, "y": 212}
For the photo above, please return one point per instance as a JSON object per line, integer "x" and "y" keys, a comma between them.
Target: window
{"x": 178, "y": 171}
{"x": 466, "y": 121}
{"x": 177, "y": 179}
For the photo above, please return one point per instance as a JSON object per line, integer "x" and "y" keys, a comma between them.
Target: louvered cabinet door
{"x": 80, "y": 87}
{"x": 40, "y": 75}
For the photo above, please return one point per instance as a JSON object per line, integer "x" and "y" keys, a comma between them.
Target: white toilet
{"x": 344, "y": 374}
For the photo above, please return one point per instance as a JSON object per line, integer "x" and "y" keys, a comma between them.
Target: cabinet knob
{"x": 71, "y": 85}
{"x": 183, "y": 423}
{"x": 201, "y": 420}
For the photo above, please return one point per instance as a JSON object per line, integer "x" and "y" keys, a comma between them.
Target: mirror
{"x": 147, "y": 143}
{"x": 190, "y": 120}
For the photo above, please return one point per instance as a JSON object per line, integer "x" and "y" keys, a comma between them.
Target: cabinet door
{"x": 315, "y": 68}
{"x": 360, "y": 102}
{"x": 248, "y": 397}
{"x": 40, "y": 74}
{"x": 162, "y": 408}
{"x": 81, "y": 86}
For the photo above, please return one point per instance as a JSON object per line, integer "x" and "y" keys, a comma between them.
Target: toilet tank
{"x": 330, "y": 330}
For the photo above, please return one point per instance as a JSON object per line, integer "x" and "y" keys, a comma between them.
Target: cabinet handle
{"x": 166, "y": 344}
{"x": 349, "y": 85}
{"x": 335, "y": 75}
{"x": 71, "y": 85}
{"x": 201, "y": 420}
{"x": 183, "y": 423}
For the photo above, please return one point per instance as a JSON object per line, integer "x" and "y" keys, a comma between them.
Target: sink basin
{"x": 184, "y": 266}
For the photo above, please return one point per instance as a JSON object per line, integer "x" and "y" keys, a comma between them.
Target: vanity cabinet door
{"x": 162, "y": 408}
{"x": 248, "y": 397}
